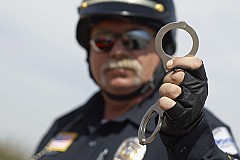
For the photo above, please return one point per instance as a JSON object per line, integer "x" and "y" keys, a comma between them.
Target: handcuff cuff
{"x": 155, "y": 108}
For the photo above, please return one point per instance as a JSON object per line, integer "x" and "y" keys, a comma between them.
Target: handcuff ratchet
{"x": 155, "y": 108}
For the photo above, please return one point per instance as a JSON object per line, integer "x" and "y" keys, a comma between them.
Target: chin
{"x": 122, "y": 86}
{"x": 125, "y": 83}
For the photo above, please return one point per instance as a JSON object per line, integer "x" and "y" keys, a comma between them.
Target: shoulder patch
{"x": 130, "y": 149}
{"x": 61, "y": 142}
{"x": 224, "y": 140}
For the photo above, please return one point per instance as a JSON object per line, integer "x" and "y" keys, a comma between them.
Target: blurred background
{"x": 43, "y": 73}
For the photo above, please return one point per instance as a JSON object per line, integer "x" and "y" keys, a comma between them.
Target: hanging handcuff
{"x": 155, "y": 108}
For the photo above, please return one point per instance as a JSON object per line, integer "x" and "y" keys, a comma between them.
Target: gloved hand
{"x": 182, "y": 95}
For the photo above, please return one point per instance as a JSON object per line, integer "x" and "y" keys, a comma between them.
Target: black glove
{"x": 187, "y": 112}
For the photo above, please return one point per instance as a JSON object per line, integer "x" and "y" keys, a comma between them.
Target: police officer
{"x": 118, "y": 36}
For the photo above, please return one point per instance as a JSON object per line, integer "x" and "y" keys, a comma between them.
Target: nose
{"x": 119, "y": 50}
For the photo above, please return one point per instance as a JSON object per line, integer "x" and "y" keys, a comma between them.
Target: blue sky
{"x": 44, "y": 73}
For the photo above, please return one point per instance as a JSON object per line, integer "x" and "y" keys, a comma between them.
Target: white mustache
{"x": 123, "y": 63}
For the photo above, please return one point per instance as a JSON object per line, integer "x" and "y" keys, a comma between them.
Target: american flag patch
{"x": 61, "y": 142}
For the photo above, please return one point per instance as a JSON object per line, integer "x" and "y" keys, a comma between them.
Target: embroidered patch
{"x": 224, "y": 140}
{"x": 61, "y": 142}
{"x": 130, "y": 149}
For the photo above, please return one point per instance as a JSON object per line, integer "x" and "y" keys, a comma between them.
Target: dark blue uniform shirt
{"x": 84, "y": 135}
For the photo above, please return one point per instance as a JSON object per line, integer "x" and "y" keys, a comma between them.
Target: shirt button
{"x": 183, "y": 149}
{"x": 92, "y": 143}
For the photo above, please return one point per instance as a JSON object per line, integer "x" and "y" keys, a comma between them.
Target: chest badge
{"x": 130, "y": 149}
{"x": 61, "y": 142}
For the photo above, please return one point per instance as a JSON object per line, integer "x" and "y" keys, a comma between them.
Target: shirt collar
{"x": 95, "y": 107}
{"x": 136, "y": 114}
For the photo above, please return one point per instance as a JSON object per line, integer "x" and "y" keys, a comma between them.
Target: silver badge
{"x": 130, "y": 149}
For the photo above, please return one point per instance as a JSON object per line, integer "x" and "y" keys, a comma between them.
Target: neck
{"x": 115, "y": 108}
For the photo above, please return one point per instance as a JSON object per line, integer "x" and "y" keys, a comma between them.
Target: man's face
{"x": 121, "y": 65}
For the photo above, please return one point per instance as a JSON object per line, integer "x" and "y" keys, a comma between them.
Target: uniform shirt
{"x": 83, "y": 134}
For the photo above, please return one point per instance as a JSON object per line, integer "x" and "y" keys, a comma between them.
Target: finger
{"x": 175, "y": 77}
{"x": 176, "y": 112}
{"x": 188, "y": 62}
{"x": 166, "y": 103}
{"x": 170, "y": 90}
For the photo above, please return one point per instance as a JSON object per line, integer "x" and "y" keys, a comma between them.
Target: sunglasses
{"x": 132, "y": 40}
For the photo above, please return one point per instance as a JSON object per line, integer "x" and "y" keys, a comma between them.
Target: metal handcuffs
{"x": 165, "y": 58}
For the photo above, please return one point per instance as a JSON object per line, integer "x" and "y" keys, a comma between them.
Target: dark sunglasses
{"x": 132, "y": 40}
